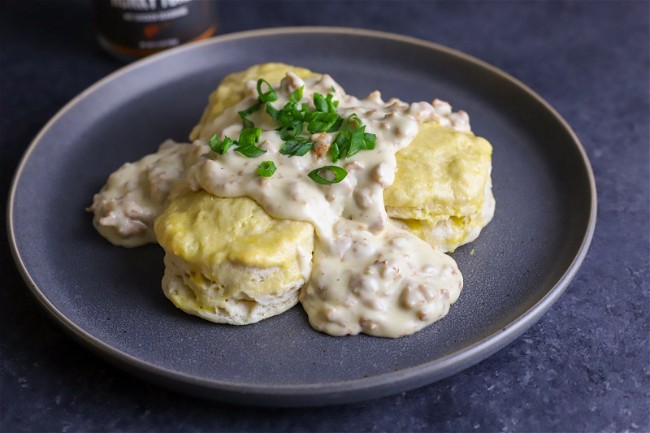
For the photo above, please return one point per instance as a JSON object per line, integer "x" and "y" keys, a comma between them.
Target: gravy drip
{"x": 135, "y": 194}
{"x": 368, "y": 275}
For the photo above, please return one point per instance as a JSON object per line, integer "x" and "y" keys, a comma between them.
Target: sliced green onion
{"x": 296, "y": 118}
{"x": 285, "y": 116}
{"x": 298, "y": 113}
{"x": 250, "y": 151}
{"x": 370, "y": 140}
{"x": 331, "y": 103}
{"x": 320, "y": 103}
{"x": 220, "y": 146}
{"x": 356, "y": 141}
{"x": 328, "y": 175}
{"x": 340, "y": 145}
{"x": 325, "y": 104}
{"x": 291, "y": 130}
{"x": 296, "y": 95}
{"x": 337, "y": 124}
{"x": 296, "y": 146}
{"x": 273, "y": 112}
{"x": 249, "y": 136}
{"x": 351, "y": 139}
{"x": 290, "y": 113}
{"x": 353, "y": 121}
{"x": 266, "y": 169}
{"x": 269, "y": 95}
{"x": 320, "y": 122}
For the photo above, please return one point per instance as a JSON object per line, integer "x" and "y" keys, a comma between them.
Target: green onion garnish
{"x": 351, "y": 139}
{"x": 320, "y": 103}
{"x": 291, "y": 130}
{"x": 250, "y": 151}
{"x": 294, "y": 120}
{"x": 249, "y": 136}
{"x": 353, "y": 121}
{"x": 220, "y": 146}
{"x": 296, "y": 146}
{"x": 269, "y": 95}
{"x": 356, "y": 141}
{"x": 266, "y": 169}
{"x": 340, "y": 145}
{"x": 296, "y": 95}
{"x": 321, "y": 122}
{"x": 369, "y": 140}
{"x": 328, "y": 175}
{"x": 247, "y": 140}
{"x": 273, "y": 112}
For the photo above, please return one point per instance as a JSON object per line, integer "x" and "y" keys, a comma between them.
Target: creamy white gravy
{"x": 368, "y": 274}
{"x": 135, "y": 194}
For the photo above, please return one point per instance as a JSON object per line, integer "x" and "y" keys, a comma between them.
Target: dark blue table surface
{"x": 584, "y": 367}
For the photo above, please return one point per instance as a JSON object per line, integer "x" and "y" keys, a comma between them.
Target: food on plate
{"x": 228, "y": 261}
{"x": 135, "y": 194}
{"x": 293, "y": 189}
{"x": 442, "y": 190}
{"x": 236, "y": 87}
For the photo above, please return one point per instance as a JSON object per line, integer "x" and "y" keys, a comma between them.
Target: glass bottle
{"x": 131, "y": 29}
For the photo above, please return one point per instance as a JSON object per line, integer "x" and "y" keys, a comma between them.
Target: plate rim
{"x": 310, "y": 394}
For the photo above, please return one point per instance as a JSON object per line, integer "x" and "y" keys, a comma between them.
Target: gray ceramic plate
{"x": 110, "y": 298}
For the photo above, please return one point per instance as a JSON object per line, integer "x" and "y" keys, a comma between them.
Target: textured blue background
{"x": 584, "y": 367}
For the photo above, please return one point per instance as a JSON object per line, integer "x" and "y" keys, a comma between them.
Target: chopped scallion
{"x": 220, "y": 146}
{"x": 296, "y": 95}
{"x": 296, "y": 146}
{"x": 249, "y": 136}
{"x": 328, "y": 175}
{"x": 266, "y": 169}
{"x": 250, "y": 151}
{"x": 291, "y": 130}
{"x": 266, "y": 96}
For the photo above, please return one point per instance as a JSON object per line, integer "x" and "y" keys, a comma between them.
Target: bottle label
{"x": 140, "y": 27}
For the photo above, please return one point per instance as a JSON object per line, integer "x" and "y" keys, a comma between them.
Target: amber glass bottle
{"x": 131, "y": 29}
